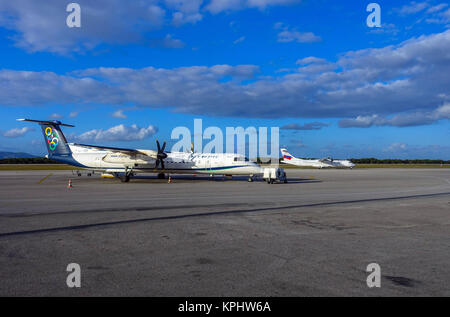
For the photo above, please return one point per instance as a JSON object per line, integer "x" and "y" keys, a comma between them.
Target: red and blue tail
{"x": 285, "y": 155}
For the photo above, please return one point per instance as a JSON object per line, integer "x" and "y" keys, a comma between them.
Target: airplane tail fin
{"x": 54, "y": 138}
{"x": 286, "y": 155}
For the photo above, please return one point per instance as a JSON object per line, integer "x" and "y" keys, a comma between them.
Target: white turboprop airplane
{"x": 322, "y": 163}
{"x": 123, "y": 163}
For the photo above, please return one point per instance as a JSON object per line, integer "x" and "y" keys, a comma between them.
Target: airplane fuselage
{"x": 176, "y": 162}
{"x": 306, "y": 163}
{"x": 324, "y": 163}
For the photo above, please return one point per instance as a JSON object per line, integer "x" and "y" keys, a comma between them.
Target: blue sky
{"x": 136, "y": 70}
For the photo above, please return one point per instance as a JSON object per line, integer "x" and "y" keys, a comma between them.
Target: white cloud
{"x": 119, "y": 114}
{"x": 396, "y": 80}
{"x": 217, "y": 6}
{"x": 432, "y": 14}
{"x": 73, "y": 114}
{"x": 387, "y": 28}
{"x": 56, "y": 116}
{"x": 40, "y": 25}
{"x": 413, "y": 7}
{"x": 403, "y": 150}
{"x": 400, "y": 120}
{"x": 437, "y": 8}
{"x": 396, "y": 147}
{"x": 287, "y": 35}
{"x": 444, "y": 17}
{"x": 17, "y": 132}
{"x": 239, "y": 40}
{"x": 167, "y": 42}
{"x": 306, "y": 126}
{"x": 310, "y": 60}
{"x": 186, "y": 11}
{"x": 180, "y": 18}
{"x": 361, "y": 122}
{"x": 118, "y": 133}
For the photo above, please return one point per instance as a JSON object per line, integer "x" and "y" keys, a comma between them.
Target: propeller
{"x": 160, "y": 156}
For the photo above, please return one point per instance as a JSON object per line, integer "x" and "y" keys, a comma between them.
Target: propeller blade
{"x": 159, "y": 147}
{"x": 161, "y": 155}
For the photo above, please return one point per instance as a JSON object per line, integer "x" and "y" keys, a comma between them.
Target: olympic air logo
{"x": 51, "y": 138}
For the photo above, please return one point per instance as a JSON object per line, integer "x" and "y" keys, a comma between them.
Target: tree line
{"x": 373, "y": 160}
{"x": 28, "y": 160}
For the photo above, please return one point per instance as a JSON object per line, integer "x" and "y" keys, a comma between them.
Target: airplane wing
{"x": 326, "y": 160}
{"x": 115, "y": 149}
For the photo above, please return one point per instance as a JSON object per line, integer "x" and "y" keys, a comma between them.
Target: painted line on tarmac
{"x": 45, "y": 178}
{"x": 206, "y": 214}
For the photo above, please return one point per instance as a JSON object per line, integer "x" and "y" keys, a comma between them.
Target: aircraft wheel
{"x": 125, "y": 179}
{"x": 161, "y": 176}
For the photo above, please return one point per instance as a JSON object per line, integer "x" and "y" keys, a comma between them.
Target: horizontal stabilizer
{"x": 49, "y": 122}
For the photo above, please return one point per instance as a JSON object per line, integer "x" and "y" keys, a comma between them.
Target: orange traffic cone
{"x": 70, "y": 184}
{"x": 169, "y": 180}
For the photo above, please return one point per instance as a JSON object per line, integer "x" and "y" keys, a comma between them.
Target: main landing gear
{"x": 125, "y": 177}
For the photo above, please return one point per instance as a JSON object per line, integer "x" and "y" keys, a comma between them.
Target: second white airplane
{"x": 322, "y": 163}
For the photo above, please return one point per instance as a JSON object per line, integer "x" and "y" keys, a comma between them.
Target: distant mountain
{"x": 15, "y": 155}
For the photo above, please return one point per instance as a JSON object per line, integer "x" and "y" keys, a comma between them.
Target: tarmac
{"x": 197, "y": 236}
